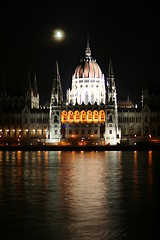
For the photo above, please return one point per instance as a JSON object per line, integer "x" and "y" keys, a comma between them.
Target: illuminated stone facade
{"x": 91, "y": 106}
{"x": 90, "y": 113}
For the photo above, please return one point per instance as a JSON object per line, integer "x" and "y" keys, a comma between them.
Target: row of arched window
{"x": 83, "y": 116}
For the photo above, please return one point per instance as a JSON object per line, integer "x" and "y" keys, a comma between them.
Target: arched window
{"x": 83, "y": 116}
{"x": 86, "y": 98}
{"x": 110, "y": 118}
{"x": 92, "y": 98}
{"x": 80, "y": 100}
{"x": 95, "y": 116}
{"x": 70, "y": 117}
{"x": 64, "y": 117}
{"x": 76, "y": 116}
{"x": 89, "y": 116}
{"x": 55, "y": 119}
{"x": 146, "y": 119}
{"x": 102, "y": 116}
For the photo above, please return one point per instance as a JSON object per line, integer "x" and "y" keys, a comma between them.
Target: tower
{"x": 55, "y": 108}
{"x": 32, "y": 95}
{"x": 112, "y": 132}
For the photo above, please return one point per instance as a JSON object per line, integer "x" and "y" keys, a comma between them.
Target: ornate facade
{"x": 90, "y": 113}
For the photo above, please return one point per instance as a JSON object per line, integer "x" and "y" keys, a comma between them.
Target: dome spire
{"x": 88, "y": 50}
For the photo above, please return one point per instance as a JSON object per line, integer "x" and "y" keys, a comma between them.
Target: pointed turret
{"x": 32, "y": 95}
{"x": 110, "y": 77}
{"x": 35, "y": 84}
{"x": 88, "y": 50}
{"x": 110, "y": 88}
{"x": 56, "y": 94}
{"x": 55, "y": 108}
{"x": 110, "y": 70}
{"x": 112, "y": 131}
{"x": 57, "y": 70}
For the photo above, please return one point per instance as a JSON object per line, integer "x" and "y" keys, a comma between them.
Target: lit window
{"x": 83, "y": 116}
{"x": 64, "y": 117}
{"x": 89, "y": 116}
{"x": 76, "y": 116}
{"x": 70, "y": 116}
{"x": 95, "y": 116}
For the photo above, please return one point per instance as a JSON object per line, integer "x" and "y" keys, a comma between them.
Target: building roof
{"x": 125, "y": 104}
{"x": 88, "y": 67}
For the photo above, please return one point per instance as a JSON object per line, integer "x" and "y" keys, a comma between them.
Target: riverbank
{"x": 140, "y": 147}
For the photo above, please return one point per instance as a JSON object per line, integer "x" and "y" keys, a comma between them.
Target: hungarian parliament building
{"x": 90, "y": 114}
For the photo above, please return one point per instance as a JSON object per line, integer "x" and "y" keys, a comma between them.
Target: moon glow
{"x": 58, "y": 35}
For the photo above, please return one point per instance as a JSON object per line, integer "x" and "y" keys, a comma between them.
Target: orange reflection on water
{"x": 135, "y": 161}
{"x": 150, "y": 170}
{"x": 1, "y": 170}
{"x": 135, "y": 174}
{"x": 150, "y": 158}
{"x": 19, "y": 175}
{"x": 82, "y": 186}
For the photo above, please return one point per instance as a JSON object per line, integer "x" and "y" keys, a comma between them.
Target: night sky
{"x": 125, "y": 31}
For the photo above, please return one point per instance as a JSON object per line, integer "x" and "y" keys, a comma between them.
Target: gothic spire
{"x": 110, "y": 71}
{"x": 56, "y": 94}
{"x": 88, "y": 50}
{"x": 57, "y": 70}
{"x": 35, "y": 84}
{"x": 110, "y": 77}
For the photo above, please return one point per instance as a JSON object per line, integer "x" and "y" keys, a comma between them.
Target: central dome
{"x": 88, "y": 83}
{"x": 88, "y": 68}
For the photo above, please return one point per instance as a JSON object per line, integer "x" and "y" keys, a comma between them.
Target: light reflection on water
{"x": 79, "y": 195}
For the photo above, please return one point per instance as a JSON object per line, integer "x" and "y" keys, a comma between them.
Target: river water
{"x": 110, "y": 195}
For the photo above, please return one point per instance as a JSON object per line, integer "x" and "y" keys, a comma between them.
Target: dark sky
{"x": 125, "y": 31}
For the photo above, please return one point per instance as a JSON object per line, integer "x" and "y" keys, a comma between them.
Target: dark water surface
{"x": 80, "y": 195}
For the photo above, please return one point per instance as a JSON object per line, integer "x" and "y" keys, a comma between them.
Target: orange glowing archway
{"x": 83, "y": 116}
{"x": 89, "y": 116}
{"x": 70, "y": 117}
{"x": 76, "y": 116}
{"x": 102, "y": 116}
{"x": 64, "y": 117}
{"x": 95, "y": 116}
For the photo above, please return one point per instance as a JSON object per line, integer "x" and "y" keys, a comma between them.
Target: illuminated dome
{"x": 88, "y": 84}
{"x": 88, "y": 68}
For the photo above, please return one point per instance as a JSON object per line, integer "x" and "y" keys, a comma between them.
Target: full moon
{"x": 58, "y": 35}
